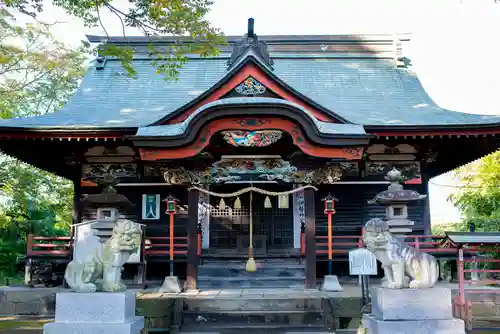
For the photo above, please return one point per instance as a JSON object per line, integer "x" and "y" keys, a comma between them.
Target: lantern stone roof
{"x": 356, "y": 79}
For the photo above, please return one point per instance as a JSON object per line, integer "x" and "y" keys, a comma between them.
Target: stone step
{"x": 264, "y": 271}
{"x": 241, "y": 318}
{"x": 255, "y": 329}
{"x": 250, "y": 282}
{"x": 260, "y": 264}
{"x": 253, "y": 303}
{"x": 278, "y": 261}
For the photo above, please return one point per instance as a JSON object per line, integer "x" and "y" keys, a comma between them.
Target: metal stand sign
{"x": 363, "y": 263}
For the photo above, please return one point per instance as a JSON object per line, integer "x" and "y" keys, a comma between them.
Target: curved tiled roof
{"x": 364, "y": 91}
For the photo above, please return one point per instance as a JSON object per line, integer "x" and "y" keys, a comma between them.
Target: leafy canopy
{"x": 37, "y": 76}
{"x": 152, "y": 18}
{"x": 479, "y": 198}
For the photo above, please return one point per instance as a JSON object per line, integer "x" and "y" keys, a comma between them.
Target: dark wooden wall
{"x": 352, "y": 209}
{"x": 153, "y": 227}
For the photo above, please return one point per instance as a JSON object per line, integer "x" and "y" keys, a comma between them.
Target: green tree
{"x": 38, "y": 75}
{"x": 152, "y": 17}
{"x": 479, "y": 197}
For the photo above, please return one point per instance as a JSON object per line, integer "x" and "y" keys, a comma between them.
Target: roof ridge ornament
{"x": 250, "y": 42}
{"x": 399, "y": 57}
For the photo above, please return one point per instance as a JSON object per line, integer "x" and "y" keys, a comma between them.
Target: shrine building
{"x": 257, "y": 136}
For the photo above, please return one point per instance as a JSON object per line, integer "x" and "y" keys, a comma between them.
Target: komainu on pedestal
{"x": 409, "y": 303}
{"x": 102, "y": 269}
{"x": 403, "y": 265}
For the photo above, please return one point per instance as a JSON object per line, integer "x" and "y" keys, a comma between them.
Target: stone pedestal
{"x": 331, "y": 284}
{"x": 97, "y": 312}
{"x": 170, "y": 285}
{"x": 412, "y": 311}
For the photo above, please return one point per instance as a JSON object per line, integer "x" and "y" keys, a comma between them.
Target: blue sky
{"x": 454, "y": 49}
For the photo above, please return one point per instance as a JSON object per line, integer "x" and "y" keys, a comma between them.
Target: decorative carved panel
{"x": 248, "y": 169}
{"x": 401, "y": 152}
{"x": 102, "y": 154}
{"x": 257, "y": 138}
{"x": 98, "y": 171}
{"x": 250, "y": 87}
{"x": 384, "y": 149}
{"x": 409, "y": 169}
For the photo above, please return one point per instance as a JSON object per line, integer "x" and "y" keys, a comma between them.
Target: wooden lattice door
{"x": 229, "y": 227}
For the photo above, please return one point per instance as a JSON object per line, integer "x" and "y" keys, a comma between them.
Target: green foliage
{"x": 38, "y": 73}
{"x": 32, "y": 201}
{"x": 38, "y": 76}
{"x": 479, "y": 198}
{"x": 441, "y": 229}
{"x": 153, "y": 18}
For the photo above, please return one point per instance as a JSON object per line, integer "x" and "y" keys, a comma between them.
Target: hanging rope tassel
{"x": 283, "y": 202}
{"x": 237, "y": 203}
{"x": 222, "y": 204}
{"x": 267, "y": 203}
{"x": 251, "y": 266}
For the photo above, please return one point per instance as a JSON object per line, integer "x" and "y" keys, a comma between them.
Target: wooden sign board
{"x": 150, "y": 206}
{"x": 362, "y": 262}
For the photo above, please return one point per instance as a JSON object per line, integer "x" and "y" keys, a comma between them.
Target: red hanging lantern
{"x": 171, "y": 204}
{"x": 329, "y": 204}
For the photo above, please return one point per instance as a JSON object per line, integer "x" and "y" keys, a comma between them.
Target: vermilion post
{"x": 461, "y": 287}
{"x": 329, "y": 210}
{"x": 330, "y": 266}
{"x": 171, "y": 243}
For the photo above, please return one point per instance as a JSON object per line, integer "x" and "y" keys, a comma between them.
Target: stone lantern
{"x": 107, "y": 205}
{"x": 396, "y": 200}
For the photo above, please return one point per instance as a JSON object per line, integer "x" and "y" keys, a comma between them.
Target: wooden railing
{"x": 160, "y": 246}
{"x": 49, "y": 246}
{"x": 342, "y": 244}
{"x": 462, "y": 307}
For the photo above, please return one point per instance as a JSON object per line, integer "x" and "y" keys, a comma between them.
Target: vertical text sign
{"x": 151, "y": 206}
{"x": 362, "y": 262}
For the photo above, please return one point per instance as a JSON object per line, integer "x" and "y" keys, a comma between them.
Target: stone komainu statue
{"x": 103, "y": 266}
{"x": 401, "y": 263}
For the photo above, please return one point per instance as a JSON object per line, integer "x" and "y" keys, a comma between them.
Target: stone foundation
{"x": 412, "y": 311}
{"x": 97, "y": 312}
{"x": 165, "y": 311}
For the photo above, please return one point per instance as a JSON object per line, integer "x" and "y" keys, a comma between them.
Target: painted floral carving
{"x": 97, "y": 171}
{"x": 259, "y": 138}
{"x": 250, "y": 87}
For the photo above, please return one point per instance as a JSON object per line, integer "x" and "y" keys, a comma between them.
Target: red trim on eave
{"x": 435, "y": 133}
{"x": 252, "y": 70}
{"x": 203, "y": 140}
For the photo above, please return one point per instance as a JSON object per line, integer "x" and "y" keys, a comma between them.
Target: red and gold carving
{"x": 249, "y": 123}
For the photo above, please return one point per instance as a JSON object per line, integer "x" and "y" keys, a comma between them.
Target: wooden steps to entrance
{"x": 231, "y": 274}
{"x": 255, "y": 314}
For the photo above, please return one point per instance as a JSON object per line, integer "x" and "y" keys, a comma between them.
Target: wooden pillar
{"x": 77, "y": 194}
{"x": 77, "y": 209}
{"x": 192, "y": 241}
{"x": 310, "y": 236}
{"x": 426, "y": 219}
